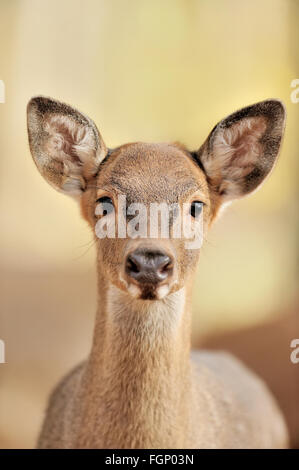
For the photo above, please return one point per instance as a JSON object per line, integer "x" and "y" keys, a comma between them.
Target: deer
{"x": 142, "y": 387}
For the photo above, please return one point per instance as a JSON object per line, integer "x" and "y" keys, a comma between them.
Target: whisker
{"x": 89, "y": 245}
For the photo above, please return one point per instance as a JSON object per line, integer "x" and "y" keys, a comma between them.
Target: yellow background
{"x": 156, "y": 70}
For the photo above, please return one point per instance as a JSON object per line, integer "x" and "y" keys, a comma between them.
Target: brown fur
{"x": 139, "y": 388}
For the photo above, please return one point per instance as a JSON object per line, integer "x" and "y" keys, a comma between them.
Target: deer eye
{"x": 196, "y": 208}
{"x": 107, "y": 205}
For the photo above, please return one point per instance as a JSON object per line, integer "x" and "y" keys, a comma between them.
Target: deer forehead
{"x": 151, "y": 172}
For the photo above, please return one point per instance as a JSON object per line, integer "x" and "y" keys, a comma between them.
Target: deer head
{"x": 234, "y": 160}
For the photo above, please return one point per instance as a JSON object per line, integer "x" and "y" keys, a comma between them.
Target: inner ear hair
{"x": 65, "y": 144}
{"x": 241, "y": 150}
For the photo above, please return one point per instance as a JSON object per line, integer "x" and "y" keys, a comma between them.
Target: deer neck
{"x": 138, "y": 374}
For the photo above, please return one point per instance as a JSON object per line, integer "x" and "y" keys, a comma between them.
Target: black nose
{"x": 149, "y": 267}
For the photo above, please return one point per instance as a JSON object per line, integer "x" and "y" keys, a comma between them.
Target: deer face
{"x": 148, "y": 177}
{"x": 139, "y": 197}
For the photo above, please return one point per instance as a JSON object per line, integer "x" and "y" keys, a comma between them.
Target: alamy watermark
{"x": 158, "y": 220}
{"x": 295, "y": 92}
{"x": 295, "y": 353}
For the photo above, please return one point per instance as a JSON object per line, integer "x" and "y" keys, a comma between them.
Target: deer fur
{"x": 141, "y": 386}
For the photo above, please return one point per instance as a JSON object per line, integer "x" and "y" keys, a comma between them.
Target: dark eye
{"x": 196, "y": 208}
{"x": 107, "y": 205}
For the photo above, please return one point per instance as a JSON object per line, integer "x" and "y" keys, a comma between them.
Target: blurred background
{"x": 151, "y": 71}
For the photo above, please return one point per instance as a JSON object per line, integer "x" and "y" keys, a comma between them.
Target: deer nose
{"x": 149, "y": 267}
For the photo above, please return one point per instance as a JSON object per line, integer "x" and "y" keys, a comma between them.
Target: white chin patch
{"x": 162, "y": 292}
{"x": 134, "y": 291}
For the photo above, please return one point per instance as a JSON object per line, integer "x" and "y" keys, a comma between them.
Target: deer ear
{"x": 65, "y": 144}
{"x": 241, "y": 149}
